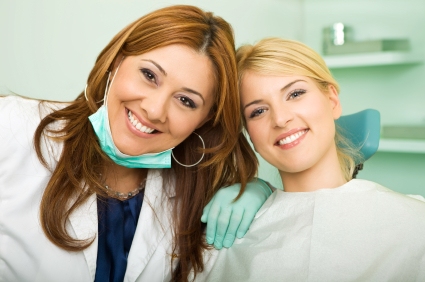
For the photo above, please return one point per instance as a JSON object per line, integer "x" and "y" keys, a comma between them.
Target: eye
{"x": 149, "y": 75}
{"x": 296, "y": 93}
{"x": 257, "y": 112}
{"x": 187, "y": 102}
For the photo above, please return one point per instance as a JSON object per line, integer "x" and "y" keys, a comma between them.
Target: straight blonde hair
{"x": 277, "y": 56}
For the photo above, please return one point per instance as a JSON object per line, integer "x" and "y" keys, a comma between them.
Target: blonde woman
{"x": 324, "y": 226}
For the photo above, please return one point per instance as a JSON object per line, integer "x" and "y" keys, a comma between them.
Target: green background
{"x": 48, "y": 47}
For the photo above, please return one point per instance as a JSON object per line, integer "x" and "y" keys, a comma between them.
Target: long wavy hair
{"x": 277, "y": 56}
{"x": 229, "y": 158}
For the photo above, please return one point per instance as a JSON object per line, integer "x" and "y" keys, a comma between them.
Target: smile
{"x": 136, "y": 123}
{"x": 291, "y": 138}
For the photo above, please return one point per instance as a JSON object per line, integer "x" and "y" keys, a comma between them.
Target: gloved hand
{"x": 226, "y": 219}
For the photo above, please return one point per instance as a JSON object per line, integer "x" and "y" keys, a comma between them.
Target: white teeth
{"x": 291, "y": 138}
{"x": 138, "y": 125}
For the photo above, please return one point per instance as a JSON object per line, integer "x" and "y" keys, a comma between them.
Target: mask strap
{"x": 108, "y": 85}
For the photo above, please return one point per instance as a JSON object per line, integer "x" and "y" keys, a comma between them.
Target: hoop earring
{"x": 85, "y": 92}
{"x": 203, "y": 145}
{"x": 85, "y": 95}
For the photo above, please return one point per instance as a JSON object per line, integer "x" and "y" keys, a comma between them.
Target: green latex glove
{"x": 226, "y": 219}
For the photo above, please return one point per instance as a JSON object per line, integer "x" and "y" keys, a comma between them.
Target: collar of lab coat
{"x": 154, "y": 222}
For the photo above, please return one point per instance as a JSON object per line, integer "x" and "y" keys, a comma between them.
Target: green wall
{"x": 49, "y": 46}
{"x": 397, "y": 91}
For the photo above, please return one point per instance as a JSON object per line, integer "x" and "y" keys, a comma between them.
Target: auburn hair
{"x": 228, "y": 158}
{"x": 278, "y": 56}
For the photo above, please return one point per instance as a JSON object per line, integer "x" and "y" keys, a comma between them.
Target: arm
{"x": 227, "y": 219}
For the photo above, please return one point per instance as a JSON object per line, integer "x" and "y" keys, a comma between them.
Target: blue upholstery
{"x": 363, "y": 130}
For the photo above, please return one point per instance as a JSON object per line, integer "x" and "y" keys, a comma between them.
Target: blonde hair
{"x": 277, "y": 56}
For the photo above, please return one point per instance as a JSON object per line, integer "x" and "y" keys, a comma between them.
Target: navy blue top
{"x": 117, "y": 222}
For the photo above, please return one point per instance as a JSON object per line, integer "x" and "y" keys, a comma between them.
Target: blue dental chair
{"x": 363, "y": 130}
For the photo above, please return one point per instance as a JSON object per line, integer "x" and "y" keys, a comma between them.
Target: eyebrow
{"x": 184, "y": 88}
{"x": 290, "y": 84}
{"x": 281, "y": 90}
{"x": 157, "y": 65}
{"x": 194, "y": 92}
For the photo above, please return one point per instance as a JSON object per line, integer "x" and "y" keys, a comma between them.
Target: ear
{"x": 334, "y": 102}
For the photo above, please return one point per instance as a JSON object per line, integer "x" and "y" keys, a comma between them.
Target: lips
{"x": 138, "y": 125}
{"x": 291, "y": 137}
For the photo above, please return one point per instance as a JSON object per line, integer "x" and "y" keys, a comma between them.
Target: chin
{"x": 129, "y": 151}
{"x": 292, "y": 168}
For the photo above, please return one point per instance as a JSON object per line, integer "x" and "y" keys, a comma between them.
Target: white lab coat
{"x": 25, "y": 252}
{"x": 360, "y": 231}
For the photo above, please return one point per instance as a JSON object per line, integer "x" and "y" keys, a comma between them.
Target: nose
{"x": 155, "y": 107}
{"x": 281, "y": 116}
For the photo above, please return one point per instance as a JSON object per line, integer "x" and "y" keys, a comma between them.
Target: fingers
{"x": 206, "y": 211}
{"x": 247, "y": 219}
{"x": 212, "y": 218}
{"x": 222, "y": 225}
{"x": 232, "y": 229}
{"x": 227, "y": 220}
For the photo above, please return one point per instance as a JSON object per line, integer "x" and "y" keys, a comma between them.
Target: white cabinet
{"x": 372, "y": 59}
{"x": 402, "y": 146}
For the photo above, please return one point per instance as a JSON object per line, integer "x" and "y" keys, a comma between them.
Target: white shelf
{"x": 402, "y": 146}
{"x": 372, "y": 59}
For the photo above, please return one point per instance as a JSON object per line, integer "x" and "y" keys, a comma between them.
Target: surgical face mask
{"x": 100, "y": 123}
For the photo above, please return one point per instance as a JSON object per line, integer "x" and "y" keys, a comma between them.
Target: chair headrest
{"x": 363, "y": 129}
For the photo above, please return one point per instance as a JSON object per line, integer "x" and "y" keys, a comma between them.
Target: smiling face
{"x": 290, "y": 121}
{"x": 159, "y": 98}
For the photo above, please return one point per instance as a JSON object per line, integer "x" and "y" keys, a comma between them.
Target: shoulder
{"x": 392, "y": 199}
{"x": 18, "y": 107}
{"x": 19, "y": 118}
{"x": 373, "y": 197}
{"x": 373, "y": 186}
{"x": 9, "y": 105}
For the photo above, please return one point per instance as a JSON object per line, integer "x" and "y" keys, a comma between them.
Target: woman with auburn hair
{"x": 119, "y": 177}
{"x": 325, "y": 225}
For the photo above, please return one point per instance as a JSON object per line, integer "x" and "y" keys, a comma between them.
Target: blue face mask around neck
{"x": 100, "y": 123}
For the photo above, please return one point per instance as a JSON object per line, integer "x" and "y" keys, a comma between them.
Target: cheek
{"x": 316, "y": 112}
{"x": 127, "y": 85}
{"x": 324, "y": 129}
{"x": 183, "y": 124}
{"x": 124, "y": 90}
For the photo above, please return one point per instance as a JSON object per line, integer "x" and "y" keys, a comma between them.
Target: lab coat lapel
{"x": 153, "y": 224}
{"x": 84, "y": 222}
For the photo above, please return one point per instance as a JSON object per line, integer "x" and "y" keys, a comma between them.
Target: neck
{"x": 124, "y": 179}
{"x": 326, "y": 173}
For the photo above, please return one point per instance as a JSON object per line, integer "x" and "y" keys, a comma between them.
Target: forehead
{"x": 178, "y": 53}
{"x": 254, "y": 82}
{"x": 182, "y": 65}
